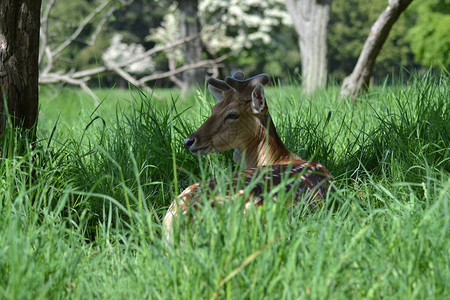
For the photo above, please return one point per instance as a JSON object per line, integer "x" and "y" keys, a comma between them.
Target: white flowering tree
{"x": 119, "y": 52}
{"x": 241, "y": 25}
{"x": 168, "y": 33}
{"x": 225, "y": 27}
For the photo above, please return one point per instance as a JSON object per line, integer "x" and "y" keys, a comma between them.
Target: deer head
{"x": 239, "y": 120}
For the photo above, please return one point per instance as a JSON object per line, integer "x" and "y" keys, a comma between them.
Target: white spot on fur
{"x": 246, "y": 207}
{"x": 257, "y": 199}
{"x": 298, "y": 169}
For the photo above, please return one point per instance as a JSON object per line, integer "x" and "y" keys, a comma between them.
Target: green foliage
{"x": 134, "y": 21}
{"x": 429, "y": 37}
{"x": 80, "y": 212}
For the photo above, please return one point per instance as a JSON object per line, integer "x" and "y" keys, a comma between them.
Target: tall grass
{"x": 80, "y": 211}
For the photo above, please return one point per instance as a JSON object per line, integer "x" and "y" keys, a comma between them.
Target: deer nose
{"x": 188, "y": 143}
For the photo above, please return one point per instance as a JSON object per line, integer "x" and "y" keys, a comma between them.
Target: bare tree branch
{"x": 172, "y": 67}
{"x": 55, "y": 78}
{"x": 44, "y": 29}
{"x": 161, "y": 49}
{"x": 125, "y": 75}
{"x": 81, "y": 27}
{"x": 102, "y": 69}
{"x": 100, "y": 25}
{"x": 200, "y": 64}
{"x": 49, "y": 65}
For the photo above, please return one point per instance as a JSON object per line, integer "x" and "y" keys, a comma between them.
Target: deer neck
{"x": 266, "y": 147}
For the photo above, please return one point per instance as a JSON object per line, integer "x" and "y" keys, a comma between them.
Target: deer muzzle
{"x": 191, "y": 145}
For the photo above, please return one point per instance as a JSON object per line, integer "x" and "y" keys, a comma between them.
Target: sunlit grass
{"x": 80, "y": 211}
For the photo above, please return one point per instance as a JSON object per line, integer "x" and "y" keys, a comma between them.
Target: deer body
{"x": 241, "y": 120}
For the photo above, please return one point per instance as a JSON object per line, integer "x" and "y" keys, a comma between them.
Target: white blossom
{"x": 232, "y": 24}
{"x": 168, "y": 32}
{"x": 119, "y": 52}
{"x": 252, "y": 22}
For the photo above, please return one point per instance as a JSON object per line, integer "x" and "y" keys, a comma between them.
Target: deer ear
{"x": 258, "y": 99}
{"x": 218, "y": 94}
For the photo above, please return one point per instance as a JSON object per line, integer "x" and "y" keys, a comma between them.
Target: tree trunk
{"x": 359, "y": 79}
{"x": 310, "y": 18}
{"x": 19, "y": 50}
{"x": 189, "y": 25}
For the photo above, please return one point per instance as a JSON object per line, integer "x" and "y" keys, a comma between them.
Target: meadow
{"x": 80, "y": 211}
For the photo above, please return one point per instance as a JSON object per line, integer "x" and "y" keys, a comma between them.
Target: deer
{"x": 240, "y": 120}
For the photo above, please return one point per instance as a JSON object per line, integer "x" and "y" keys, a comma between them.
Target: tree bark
{"x": 358, "y": 80}
{"x": 19, "y": 51}
{"x": 310, "y": 18}
{"x": 189, "y": 25}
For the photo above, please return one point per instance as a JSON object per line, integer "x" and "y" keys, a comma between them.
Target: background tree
{"x": 348, "y": 29}
{"x": 19, "y": 52}
{"x": 190, "y": 25}
{"x": 358, "y": 80}
{"x": 260, "y": 31}
{"x": 310, "y": 18}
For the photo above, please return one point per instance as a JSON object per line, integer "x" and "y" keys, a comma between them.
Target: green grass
{"x": 80, "y": 211}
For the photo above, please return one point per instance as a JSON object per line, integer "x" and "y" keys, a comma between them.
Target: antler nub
{"x": 237, "y": 82}
{"x": 218, "y": 84}
{"x": 222, "y": 85}
{"x": 238, "y": 75}
{"x": 241, "y": 85}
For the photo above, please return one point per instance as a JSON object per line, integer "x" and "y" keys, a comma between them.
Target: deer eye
{"x": 232, "y": 116}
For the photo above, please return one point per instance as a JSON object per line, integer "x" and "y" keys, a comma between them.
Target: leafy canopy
{"x": 430, "y": 38}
